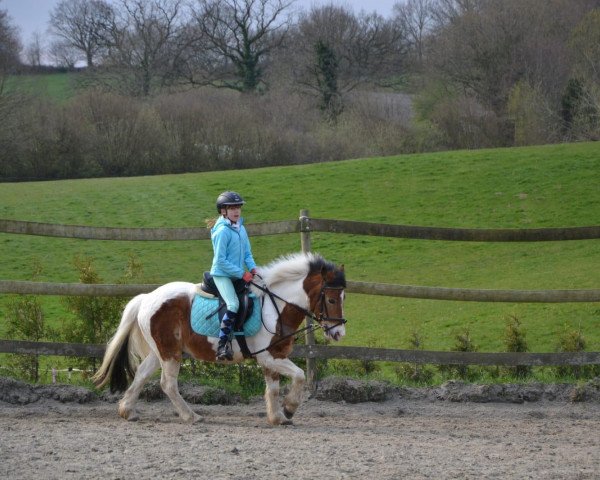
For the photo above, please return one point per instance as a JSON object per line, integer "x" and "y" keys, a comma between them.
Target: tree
{"x": 326, "y": 73}
{"x": 148, "y": 44}
{"x": 35, "y": 50}
{"x": 236, "y": 37}
{"x": 10, "y": 47}
{"x": 585, "y": 46}
{"x": 63, "y": 54}
{"x": 334, "y": 51}
{"x": 415, "y": 18}
{"x": 85, "y": 25}
{"x": 484, "y": 47}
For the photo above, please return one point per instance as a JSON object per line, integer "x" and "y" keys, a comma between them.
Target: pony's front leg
{"x": 282, "y": 414}
{"x": 294, "y": 397}
{"x": 168, "y": 382}
{"x": 274, "y": 415}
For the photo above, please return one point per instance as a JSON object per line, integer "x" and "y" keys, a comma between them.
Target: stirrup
{"x": 224, "y": 351}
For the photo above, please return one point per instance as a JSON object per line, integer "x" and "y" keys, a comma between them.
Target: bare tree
{"x": 63, "y": 54}
{"x": 85, "y": 25}
{"x": 445, "y": 12}
{"x": 334, "y": 51}
{"x": 236, "y": 37}
{"x": 148, "y": 43}
{"x": 498, "y": 53}
{"x": 415, "y": 18}
{"x": 10, "y": 46}
{"x": 35, "y": 50}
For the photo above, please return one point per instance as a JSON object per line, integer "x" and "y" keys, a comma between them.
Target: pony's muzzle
{"x": 334, "y": 331}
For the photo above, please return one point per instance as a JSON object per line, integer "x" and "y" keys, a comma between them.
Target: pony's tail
{"x": 120, "y": 362}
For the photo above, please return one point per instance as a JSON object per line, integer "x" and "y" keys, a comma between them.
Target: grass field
{"x": 546, "y": 186}
{"x": 56, "y": 86}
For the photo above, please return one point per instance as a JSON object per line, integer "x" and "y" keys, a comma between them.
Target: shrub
{"x": 96, "y": 318}
{"x": 25, "y": 321}
{"x": 463, "y": 343}
{"x": 515, "y": 341}
{"x": 414, "y": 372}
{"x": 573, "y": 340}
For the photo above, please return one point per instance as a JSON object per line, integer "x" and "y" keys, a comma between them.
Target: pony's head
{"x": 325, "y": 285}
{"x": 321, "y": 282}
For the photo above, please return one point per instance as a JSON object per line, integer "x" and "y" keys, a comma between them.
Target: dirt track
{"x": 407, "y": 436}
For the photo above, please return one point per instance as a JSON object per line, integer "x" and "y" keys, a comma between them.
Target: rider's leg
{"x": 227, "y": 291}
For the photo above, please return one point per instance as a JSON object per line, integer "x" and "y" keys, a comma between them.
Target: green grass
{"x": 547, "y": 186}
{"x": 56, "y": 86}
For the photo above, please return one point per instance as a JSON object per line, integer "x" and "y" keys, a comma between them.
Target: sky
{"x": 32, "y": 15}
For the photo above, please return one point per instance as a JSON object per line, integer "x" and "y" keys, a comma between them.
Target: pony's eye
{"x": 331, "y": 300}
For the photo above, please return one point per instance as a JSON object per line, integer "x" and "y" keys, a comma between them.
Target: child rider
{"x": 232, "y": 252}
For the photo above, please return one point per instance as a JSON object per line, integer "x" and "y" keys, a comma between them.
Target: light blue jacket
{"x": 231, "y": 248}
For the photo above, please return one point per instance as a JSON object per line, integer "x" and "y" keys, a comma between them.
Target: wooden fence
{"x": 305, "y": 225}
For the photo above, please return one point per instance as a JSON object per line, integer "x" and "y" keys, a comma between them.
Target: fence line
{"x": 456, "y": 234}
{"x": 306, "y": 224}
{"x": 135, "y": 234}
{"x": 349, "y": 353}
{"x": 384, "y": 289}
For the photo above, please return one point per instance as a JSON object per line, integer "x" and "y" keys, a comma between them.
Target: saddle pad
{"x": 203, "y": 307}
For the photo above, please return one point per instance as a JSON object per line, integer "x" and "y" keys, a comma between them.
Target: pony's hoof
{"x": 280, "y": 420}
{"x": 288, "y": 413}
{"x": 194, "y": 418}
{"x": 129, "y": 415}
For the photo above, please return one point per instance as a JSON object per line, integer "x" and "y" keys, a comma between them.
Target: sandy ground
{"x": 406, "y": 436}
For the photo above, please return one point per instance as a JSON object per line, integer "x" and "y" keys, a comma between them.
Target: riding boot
{"x": 225, "y": 350}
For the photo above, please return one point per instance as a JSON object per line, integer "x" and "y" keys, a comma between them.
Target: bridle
{"x": 322, "y": 316}
{"x": 324, "y": 313}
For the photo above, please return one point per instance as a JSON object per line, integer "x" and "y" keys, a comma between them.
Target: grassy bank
{"x": 547, "y": 186}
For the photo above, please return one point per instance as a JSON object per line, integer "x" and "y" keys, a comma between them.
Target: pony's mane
{"x": 298, "y": 266}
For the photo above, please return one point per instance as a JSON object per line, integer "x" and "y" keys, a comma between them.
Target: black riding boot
{"x": 225, "y": 350}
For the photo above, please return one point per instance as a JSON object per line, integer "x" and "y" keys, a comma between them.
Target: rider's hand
{"x": 254, "y": 271}
{"x": 247, "y": 277}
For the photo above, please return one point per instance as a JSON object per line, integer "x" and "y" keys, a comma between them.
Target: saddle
{"x": 245, "y": 310}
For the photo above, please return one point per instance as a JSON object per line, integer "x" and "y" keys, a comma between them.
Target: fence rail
{"x": 384, "y": 289}
{"x": 308, "y": 225}
{"x": 349, "y": 353}
{"x": 305, "y": 225}
{"x": 135, "y": 234}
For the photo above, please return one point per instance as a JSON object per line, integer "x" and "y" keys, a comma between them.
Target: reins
{"x": 317, "y": 318}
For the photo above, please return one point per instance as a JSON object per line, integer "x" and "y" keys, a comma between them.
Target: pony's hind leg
{"x": 168, "y": 382}
{"x": 127, "y": 404}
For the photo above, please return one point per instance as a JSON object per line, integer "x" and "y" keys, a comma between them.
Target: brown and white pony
{"x": 155, "y": 330}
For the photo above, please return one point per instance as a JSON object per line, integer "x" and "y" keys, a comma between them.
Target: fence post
{"x": 311, "y": 363}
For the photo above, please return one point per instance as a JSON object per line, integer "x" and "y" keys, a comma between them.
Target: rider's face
{"x": 233, "y": 212}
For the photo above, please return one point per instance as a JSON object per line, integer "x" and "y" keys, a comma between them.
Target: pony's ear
{"x": 324, "y": 272}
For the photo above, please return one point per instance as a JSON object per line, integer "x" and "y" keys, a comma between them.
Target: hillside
{"x": 547, "y": 186}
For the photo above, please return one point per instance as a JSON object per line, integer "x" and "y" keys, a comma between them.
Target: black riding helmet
{"x": 229, "y": 198}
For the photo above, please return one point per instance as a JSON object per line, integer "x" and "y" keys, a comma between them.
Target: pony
{"x": 155, "y": 331}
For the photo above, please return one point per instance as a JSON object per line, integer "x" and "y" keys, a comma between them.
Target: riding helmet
{"x": 229, "y": 198}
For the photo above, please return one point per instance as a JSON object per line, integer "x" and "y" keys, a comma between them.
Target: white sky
{"x": 32, "y": 15}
